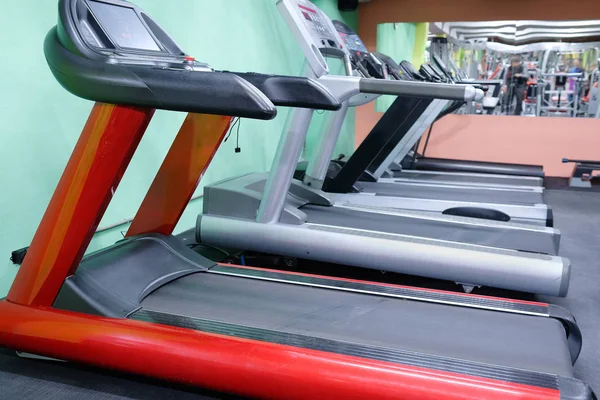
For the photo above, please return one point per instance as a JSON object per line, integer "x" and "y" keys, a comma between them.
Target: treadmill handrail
{"x": 481, "y": 82}
{"x": 419, "y": 89}
{"x": 293, "y": 91}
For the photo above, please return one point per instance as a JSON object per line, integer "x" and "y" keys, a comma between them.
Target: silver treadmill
{"x": 392, "y": 136}
{"x": 514, "y": 235}
{"x": 522, "y": 235}
{"x": 274, "y": 214}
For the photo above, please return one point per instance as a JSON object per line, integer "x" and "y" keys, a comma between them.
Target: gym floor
{"x": 576, "y": 215}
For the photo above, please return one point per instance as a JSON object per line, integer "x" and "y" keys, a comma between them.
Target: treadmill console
{"x": 350, "y": 38}
{"x": 431, "y": 75}
{"x": 361, "y": 58}
{"x": 395, "y": 70}
{"x": 124, "y": 33}
{"x": 437, "y": 61}
{"x": 314, "y": 32}
{"x": 111, "y": 51}
{"x": 410, "y": 71}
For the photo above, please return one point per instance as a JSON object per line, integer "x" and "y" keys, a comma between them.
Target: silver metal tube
{"x": 566, "y": 74}
{"x": 283, "y": 166}
{"x": 467, "y": 264}
{"x": 419, "y": 89}
{"x": 348, "y": 65}
{"x": 319, "y": 164}
{"x": 482, "y": 82}
{"x": 285, "y": 160}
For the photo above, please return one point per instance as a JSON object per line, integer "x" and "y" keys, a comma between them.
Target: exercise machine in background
{"x": 583, "y": 173}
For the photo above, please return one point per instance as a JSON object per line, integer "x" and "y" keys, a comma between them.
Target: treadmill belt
{"x": 366, "y": 322}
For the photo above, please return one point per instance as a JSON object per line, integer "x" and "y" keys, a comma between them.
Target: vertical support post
{"x": 380, "y": 142}
{"x": 539, "y": 99}
{"x": 283, "y": 166}
{"x": 99, "y": 160}
{"x": 285, "y": 161}
{"x": 187, "y": 160}
{"x": 316, "y": 171}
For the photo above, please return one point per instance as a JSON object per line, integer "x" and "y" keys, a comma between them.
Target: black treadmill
{"x": 527, "y": 348}
{"x": 357, "y": 173}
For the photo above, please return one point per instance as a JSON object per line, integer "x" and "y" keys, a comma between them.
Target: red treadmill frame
{"x": 223, "y": 363}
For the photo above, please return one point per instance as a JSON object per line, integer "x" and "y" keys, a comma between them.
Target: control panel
{"x": 350, "y": 38}
{"x": 314, "y": 32}
{"x": 122, "y": 32}
{"x": 362, "y": 60}
{"x": 321, "y": 33}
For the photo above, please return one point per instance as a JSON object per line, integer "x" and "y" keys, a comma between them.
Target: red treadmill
{"x": 150, "y": 305}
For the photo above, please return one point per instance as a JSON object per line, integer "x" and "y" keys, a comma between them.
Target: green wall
{"x": 396, "y": 40}
{"x": 40, "y": 122}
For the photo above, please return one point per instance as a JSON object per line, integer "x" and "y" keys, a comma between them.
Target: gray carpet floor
{"x": 577, "y": 215}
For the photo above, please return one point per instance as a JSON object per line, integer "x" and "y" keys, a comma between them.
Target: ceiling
{"x": 521, "y": 32}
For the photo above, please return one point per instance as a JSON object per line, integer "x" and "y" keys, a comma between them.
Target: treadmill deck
{"x": 468, "y": 178}
{"x": 385, "y": 328}
{"x": 453, "y": 193}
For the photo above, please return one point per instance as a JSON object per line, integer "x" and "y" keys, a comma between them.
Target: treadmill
{"x": 380, "y": 169}
{"x": 505, "y": 174}
{"x": 502, "y": 234}
{"x": 401, "y": 168}
{"x": 149, "y": 305}
{"x": 396, "y": 170}
{"x": 274, "y": 214}
{"x": 499, "y": 191}
{"x": 469, "y": 166}
{"x": 398, "y": 130}
{"x": 369, "y": 65}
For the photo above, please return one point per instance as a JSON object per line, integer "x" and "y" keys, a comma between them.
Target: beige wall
{"x": 540, "y": 141}
{"x": 537, "y": 141}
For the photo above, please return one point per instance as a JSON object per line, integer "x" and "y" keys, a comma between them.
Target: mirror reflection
{"x": 530, "y": 68}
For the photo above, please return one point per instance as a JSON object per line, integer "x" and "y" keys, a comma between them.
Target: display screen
{"x": 123, "y": 26}
{"x": 355, "y": 44}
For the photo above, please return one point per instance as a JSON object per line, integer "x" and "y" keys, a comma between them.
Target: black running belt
{"x": 367, "y": 321}
{"x": 444, "y": 164}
